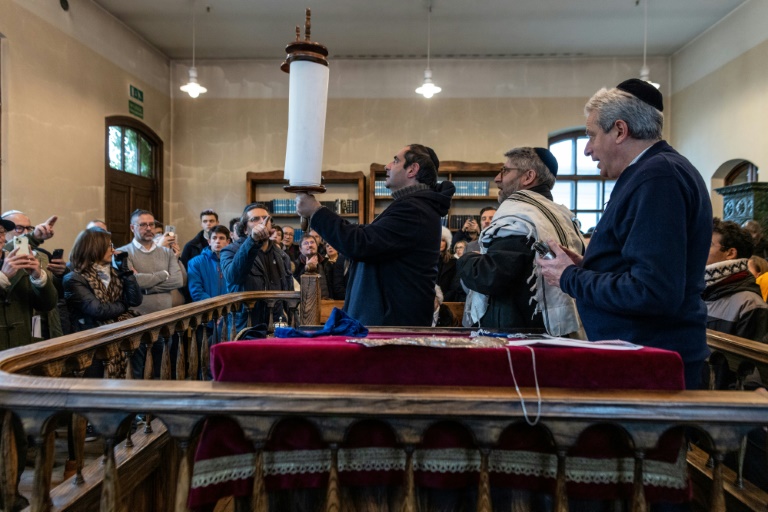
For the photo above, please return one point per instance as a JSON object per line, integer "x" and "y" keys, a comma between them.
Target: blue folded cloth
{"x": 339, "y": 324}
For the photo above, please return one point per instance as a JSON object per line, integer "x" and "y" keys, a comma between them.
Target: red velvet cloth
{"x": 331, "y": 360}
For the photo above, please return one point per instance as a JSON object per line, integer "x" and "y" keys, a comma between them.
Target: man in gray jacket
{"x": 156, "y": 267}
{"x": 157, "y": 272}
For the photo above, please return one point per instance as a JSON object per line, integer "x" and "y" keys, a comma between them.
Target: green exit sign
{"x": 136, "y": 109}
{"x": 137, "y": 94}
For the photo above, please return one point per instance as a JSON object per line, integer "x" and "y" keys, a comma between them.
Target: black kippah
{"x": 643, "y": 91}
{"x": 433, "y": 157}
{"x": 548, "y": 158}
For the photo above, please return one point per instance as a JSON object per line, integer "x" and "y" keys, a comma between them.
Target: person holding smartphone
{"x": 255, "y": 262}
{"x": 100, "y": 289}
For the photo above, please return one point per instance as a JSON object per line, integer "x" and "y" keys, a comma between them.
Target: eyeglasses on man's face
{"x": 21, "y": 229}
{"x": 145, "y": 225}
{"x": 258, "y": 218}
{"x": 504, "y": 170}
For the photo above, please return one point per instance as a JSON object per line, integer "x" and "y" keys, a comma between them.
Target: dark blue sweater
{"x": 643, "y": 273}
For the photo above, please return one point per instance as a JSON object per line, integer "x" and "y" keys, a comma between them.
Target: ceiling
{"x": 260, "y": 29}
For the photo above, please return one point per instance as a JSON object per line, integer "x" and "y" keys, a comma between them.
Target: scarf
{"x": 399, "y": 194}
{"x": 717, "y": 272}
{"x": 532, "y": 215}
{"x": 111, "y": 292}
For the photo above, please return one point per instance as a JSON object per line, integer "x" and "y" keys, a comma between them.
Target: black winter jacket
{"x": 393, "y": 259}
{"x": 86, "y": 311}
{"x": 193, "y": 248}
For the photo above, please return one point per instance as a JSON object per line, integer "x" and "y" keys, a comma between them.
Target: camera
{"x": 543, "y": 250}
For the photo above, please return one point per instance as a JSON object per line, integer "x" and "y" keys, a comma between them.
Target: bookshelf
{"x": 474, "y": 189}
{"x": 344, "y": 189}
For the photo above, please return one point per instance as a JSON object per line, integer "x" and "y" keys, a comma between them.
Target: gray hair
{"x": 643, "y": 121}
{"x": 526, "y": 158}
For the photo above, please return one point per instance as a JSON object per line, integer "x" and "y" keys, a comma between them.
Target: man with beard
{"x": 254, "y": 262}
{"x": 312, "y": 262}
{"x": 499, "y": 277}
{"x": 393, "y": 260}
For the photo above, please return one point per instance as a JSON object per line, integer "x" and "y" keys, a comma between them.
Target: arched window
{"x": 745, "y": 172}
{"x": 133, "y": 167}
{"x": 130, "y": 151}
{"x": 579, "y": 185}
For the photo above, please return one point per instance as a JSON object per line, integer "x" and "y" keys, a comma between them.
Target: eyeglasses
{"x": 21, "y": 229}
{"x": 258, "y": 218}
{"x": 145, "y": 225}
{"x": 504, "y": 170}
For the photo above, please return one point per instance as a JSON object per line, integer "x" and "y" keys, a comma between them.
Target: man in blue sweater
{"x": 642, "y": 276}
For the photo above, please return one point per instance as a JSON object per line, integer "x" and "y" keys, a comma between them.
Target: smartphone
{"x": 170, "y": 229}
{"x": 117, "y": 259}
{"x": 543, "y": 250}
{"x": 57, "y": 254}
{"x": 22, "y": 243}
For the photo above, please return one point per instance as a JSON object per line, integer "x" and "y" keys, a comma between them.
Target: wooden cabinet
{"x": 268, "y": 186}
{"x": 475, "y": 189}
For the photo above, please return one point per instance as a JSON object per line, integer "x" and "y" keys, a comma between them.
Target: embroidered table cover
{"x": 296, "y": 457}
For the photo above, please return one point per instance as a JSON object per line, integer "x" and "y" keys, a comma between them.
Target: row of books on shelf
{"x": 281, "y": 206}
{"x": 288, "y": 206}
{"x": 463, "y": 188}
{"x": 472, "y": 188}
{"x": 343, "y": 206}
{"x": 380, "y": 190}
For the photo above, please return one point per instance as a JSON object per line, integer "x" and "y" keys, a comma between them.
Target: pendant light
{"x": 428, "y": 88}
{"x": 644, "y": 71}
{"x": 193, "y": 88}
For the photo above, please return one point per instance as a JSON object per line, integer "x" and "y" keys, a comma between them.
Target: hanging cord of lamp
{"x": 428, "y": 88}
{"x": 193, "y": 88}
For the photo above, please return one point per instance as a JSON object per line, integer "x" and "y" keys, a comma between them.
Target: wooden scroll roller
{"x": 307, "y": 101}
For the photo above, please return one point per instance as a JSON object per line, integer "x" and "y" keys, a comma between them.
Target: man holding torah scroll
{"x": 394, "y": 259}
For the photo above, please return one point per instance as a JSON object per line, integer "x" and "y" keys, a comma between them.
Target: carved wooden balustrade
{"x": 746, "y": 362}
{"x": 151, "y": 469}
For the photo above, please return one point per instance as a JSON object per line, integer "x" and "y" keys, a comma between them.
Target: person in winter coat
{"x": 734, "y": 302}
{"x": 205, "y": 276}
{"x": 97, "y": 291}
{"x": 393, "y": 266}
{"x": 255, "y": 263}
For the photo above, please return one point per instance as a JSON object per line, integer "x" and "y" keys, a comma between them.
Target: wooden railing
{"x": 37, "y": 387}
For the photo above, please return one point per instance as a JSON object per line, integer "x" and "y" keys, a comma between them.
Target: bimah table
{"x": 295, "y": 456}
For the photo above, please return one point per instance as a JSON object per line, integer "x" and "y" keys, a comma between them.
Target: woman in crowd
{"x": 447, "y": 278}
{"x": 338, "y": 276}
{"x": 458, "y": 249}
{"x": 98, "y": 292}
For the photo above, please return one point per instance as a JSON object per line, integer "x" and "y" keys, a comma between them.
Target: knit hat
{"x": 447, "y": 236}
{"x": 643, "y": 91}
{"x": 548, "y": 158}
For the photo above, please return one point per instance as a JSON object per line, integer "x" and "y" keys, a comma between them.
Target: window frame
{"x": 575, "y": 178}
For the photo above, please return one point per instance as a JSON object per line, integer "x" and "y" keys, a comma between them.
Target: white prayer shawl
{"x": 519, "y": 215}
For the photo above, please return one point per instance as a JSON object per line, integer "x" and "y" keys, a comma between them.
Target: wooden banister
{"x": 36, "y": 384}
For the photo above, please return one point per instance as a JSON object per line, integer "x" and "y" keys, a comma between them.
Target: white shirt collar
{"x": 141, "y": 247}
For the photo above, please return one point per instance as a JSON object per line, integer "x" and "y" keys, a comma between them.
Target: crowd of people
{"x": 659, "y": 270}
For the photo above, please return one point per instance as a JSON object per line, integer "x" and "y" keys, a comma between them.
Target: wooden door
{"x": 133, "y": 174}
